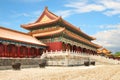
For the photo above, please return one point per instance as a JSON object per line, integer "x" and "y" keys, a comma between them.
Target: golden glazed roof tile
{"x": 82, "y": 39}
{"x": 49, "y": 33}
{"x": 104, "y": 51}
{"x": 61, "y": 30}
{"x": 34, "y": 25}
{"x": 48, "y": 18}
{"x": 6, "y": 33}
{"x": 46, "y": 15}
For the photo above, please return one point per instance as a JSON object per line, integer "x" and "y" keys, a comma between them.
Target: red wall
{"x": 54, "y": 46}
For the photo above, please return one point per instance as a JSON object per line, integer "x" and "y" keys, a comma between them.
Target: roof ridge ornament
{"x": 60, "y": 18}
{"x": 46, "y": 8}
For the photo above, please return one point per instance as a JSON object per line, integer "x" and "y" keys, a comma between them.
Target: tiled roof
{"x": 61, "y": 30}
{"x": 49, "y": 33}
{"x": 82, "y": 39}
{"x": 9, "y": 34}
{"x": 48, "y": 18}
{"x": 103, "y": 51}
{"x": 48, "y": 14}
{"x": 34, "y": 25}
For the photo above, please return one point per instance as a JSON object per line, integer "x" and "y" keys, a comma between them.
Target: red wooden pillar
{"x": 16, "y": 54}
{"x": 3, "y": 51}
{"x": 65, "y": 47}
{"x": 7, "y": 52}
{"x": 77, "y": 49}
{"x": 11, "y": 52}
{"x": 86, "y": 51}
{"x": 37, "y": 52}
{"x": 14, "y": 51}
{"x": 92, "y": 52}
{"x": 28, "y": 54}
{"x": 5, "y": 46}
{"x": 71, "y": 49}
{"x": 89, "y": 51}
{"x": 18, "y": 51}
{"x": 80, "y": 49}
{"x": 24, "y": 52}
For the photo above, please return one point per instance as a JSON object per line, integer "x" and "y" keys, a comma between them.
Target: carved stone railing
{"x": 70, "y": 57}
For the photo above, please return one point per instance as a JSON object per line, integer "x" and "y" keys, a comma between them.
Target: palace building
{"x": 50, "y": 33}
{"x": 59, "y": 34}
{"x": 17, "y": 44}
{"x": 104, "y": 52}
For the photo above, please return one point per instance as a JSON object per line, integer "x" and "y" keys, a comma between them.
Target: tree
{"x": 117, "y": 54}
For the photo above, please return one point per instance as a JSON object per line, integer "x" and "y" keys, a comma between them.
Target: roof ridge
{"x": 49, "y": 33}
{"x": 32, "y": 24}
{"x": 55, "y": 19}
{"x": 51, "y": 12}
{"x": 76, "y": 28}
{"x": 85, "y": 41}
{"x": 1, "y": 27}
{"x": 14, "y": 35}
{"x": 47, "y": 12}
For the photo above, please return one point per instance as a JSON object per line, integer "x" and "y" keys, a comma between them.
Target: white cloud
{"x": 110, "y": 4}
{"x": 82, "y": 7}
{"x": 107, "y": 7}
{"x": 113, "y": 12}
{"x": 108, "y": 26}
{"x": 112, "y": 7}
{"x": 64, "y": 14}
{"x": 109, "y": 38}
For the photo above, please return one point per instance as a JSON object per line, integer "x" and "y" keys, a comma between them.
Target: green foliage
{"x": 117, "y": 54}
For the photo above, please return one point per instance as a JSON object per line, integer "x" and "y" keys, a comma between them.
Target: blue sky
{"x": 98, "y": 18}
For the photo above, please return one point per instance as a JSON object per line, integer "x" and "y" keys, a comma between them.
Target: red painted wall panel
{"x": 54, "y": 46}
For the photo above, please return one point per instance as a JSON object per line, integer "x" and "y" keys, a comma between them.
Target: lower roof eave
{"x": 43, "y": 45}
